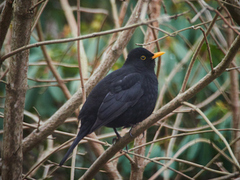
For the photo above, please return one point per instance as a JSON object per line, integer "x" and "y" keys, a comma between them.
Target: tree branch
{"x": 127, "y": 27}
{"x": 168, "y": 108}
{"x": 5, "y": 20}
{"x": 15, "y": 93}
{"x": 67, "y": 109}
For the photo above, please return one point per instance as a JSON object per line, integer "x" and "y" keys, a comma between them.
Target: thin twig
{"x": 184, "y": 84}
{"x": 160, "y": 20}
{"x": 45, "y": 158}
{"x": 39, "y": 13}
{"x": 175, "y": 33}
{"x": 43, "y": 85}
{"x": 197, "y": 15}
{"x": 216, "y": 131}
{"x": 177, "y": 154}
{"x": 35, "y": 5}
{"x": 229, "y": 15}
{"x": 162, "y": 140}
{"x": 4, "y": 74}
{"x": 219, "y": 14}
{"x": 51, "y": 81}
{"x": 215, "y": 158}
{"x": 208, "y": 47}
{"x": 187, "y": 162}
{"x": 39, "y": 118}
{"x": 172, "y": 74}
{"x": 157, "y": 162}
{"x": 50, "y": 65}
{"x": 233, "y": 68}
{"x": 90, "y": 10}
{"x": 155, "y": 137}
{"x": 211, "y": 33}
{"x": 227, "y": 177}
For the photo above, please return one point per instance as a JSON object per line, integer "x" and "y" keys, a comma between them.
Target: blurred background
{"x": 179, "y": 38}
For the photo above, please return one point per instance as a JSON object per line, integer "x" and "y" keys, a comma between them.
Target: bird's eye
{"x": 143, "y": 57}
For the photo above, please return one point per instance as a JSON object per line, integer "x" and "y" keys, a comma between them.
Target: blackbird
{"x": 123, "y": 98}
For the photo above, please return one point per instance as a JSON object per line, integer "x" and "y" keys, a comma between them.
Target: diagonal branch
{"x": 51, "y": 66}
{"x": 67, "y": 109}
{"x": 168, "y": 108}
{"x": 195, "y": 55}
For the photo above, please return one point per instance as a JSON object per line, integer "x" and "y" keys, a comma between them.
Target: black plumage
{"x": 123, "y": 98}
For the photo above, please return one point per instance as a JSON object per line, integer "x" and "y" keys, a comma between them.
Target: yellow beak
{"x": 157, "y": 54}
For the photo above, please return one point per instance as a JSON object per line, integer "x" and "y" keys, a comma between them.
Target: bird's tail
{"x": 79, "y": 137}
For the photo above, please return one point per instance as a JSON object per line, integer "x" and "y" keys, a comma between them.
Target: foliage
{"x": 44, "y": 96}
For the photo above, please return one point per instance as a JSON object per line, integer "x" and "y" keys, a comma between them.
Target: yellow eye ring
{"x": 143, "y": 57}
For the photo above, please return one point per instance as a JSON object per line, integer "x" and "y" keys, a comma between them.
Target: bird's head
{"x": 142, "y": 58}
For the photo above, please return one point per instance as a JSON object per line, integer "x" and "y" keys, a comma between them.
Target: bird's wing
{"x": 123, "y": 94}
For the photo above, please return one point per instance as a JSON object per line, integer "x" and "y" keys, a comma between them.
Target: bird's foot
{"x": 116, "y": 138}
{"x": 130, "y": 131}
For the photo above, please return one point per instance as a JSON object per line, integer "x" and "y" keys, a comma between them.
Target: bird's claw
{"x": 130, "y": 131}
{"x": 114, "y": 140}
{"x": 130, "y": 134}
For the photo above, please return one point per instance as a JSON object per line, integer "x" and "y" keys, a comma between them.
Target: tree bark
{"x": 5, "y": 20}
{"x": 15, "y": 93}
{"x": 138, "y": 167}
{"x": 234, "y": 94}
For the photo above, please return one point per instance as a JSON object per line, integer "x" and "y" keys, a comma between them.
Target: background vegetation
{"x": 182, "y": 144}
